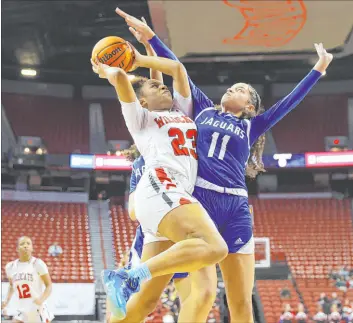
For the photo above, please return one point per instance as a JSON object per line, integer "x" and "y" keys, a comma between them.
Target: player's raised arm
{"x": 201, "y": 101}
{"x": 263, "y": 122}
{"x": 134, "y": 113}
{"x": 141, "y": 38}
{"x": 167, "y": 66}
{"x": 117, "y": 78}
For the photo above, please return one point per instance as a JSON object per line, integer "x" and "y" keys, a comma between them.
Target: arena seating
{"x": 310, "y": 289}
{"x": 114, "y": 123}
{"x": 269, "y": 291}
{"x": 327, "y": 113}
{"x": 123, "y": 231}
{"x": 62, "y": 123}
{"x": 46, "y": 223}
{"x": 314, "y": 235}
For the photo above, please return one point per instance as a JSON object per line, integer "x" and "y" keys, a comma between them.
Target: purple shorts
{"x": 231, "y": 215}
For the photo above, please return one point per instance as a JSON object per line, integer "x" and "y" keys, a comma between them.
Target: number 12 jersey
{"x": 26, "y": 281}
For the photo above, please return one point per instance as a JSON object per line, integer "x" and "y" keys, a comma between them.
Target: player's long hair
{"x": 255, "y": 164}
{"x": 131, "y": 153}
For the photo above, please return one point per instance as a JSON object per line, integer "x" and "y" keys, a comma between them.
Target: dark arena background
{"x": 65, "y": 182}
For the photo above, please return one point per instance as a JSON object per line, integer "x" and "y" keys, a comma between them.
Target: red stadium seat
{"x": 61, "y": 123}
{"x": 46, "y": 223}
{"x": 313, "y": 234}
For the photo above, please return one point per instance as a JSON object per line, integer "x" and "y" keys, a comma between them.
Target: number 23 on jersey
{"x": 179, "y": 141}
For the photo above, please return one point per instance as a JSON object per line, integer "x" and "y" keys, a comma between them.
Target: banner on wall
{"x": 100, "y": 162}
{"x": 287, "y": 160}
{"x": 329, "y": 159}
{"x": 66, "y": 299}
{"x": 106, "y": 162}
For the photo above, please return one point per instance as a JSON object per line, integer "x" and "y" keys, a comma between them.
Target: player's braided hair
{"x": 132, "y": 153}
{"x": 255, "y": 164}
{"x": 137, "y": 84}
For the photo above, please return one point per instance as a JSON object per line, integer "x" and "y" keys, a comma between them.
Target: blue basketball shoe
{"x": 119, "y": 287}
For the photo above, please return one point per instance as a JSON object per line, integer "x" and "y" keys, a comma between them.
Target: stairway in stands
{"x": 102, "y": 250}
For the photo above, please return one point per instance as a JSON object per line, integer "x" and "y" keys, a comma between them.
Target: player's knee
{"x": 205, "y": 296}
{"x": 218, "y": 250}
{"x": 241, "y": 310}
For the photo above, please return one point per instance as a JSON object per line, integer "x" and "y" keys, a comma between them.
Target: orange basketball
{"x": 114, "y": 51}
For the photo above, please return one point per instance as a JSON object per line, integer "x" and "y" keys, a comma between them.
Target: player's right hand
{"x": 139, "y": 28}
{"x": 105, "y": 71}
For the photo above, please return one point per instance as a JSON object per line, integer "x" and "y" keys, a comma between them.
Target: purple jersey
{"x": 224, "y": 141}
{"x": 138, "y": 167}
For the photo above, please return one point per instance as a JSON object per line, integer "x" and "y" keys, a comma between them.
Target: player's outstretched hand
{"x": 325, "y": 58}
{"x": 139, "y": 28}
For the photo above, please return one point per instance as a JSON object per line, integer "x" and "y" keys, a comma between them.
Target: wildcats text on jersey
{"x": 224, "y": 125}
{"x": 162, "y": 121}
{"x": 22, "y": 276}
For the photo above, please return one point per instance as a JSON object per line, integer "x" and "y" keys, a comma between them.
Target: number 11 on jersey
{"x": 223, "y": 150}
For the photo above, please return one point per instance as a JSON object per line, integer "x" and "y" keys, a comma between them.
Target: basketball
{"x": 114, "y": 51}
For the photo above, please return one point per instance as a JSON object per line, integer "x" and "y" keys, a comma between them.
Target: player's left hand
{"x": 325, "y": 58}
{"x": 38, "y": 302}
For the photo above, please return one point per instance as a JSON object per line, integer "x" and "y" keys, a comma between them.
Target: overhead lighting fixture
{"x": 28, "y": 72}
{"x": 26, "y": 150}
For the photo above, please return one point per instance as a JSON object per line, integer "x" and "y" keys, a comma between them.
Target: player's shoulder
{"x": 38, "y": 263}
{"x": 10, "y": 265}
{"x": 207, "y": 113}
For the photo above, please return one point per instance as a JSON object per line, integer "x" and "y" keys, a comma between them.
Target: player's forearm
{"x": 46, "y": 293}
{"x": 9, "y": 294}
{"x": 154, "y": 74}
{"x": 166, "y": 66}
{"x": 120, "y": 80}
{"x": 161, "y": 49}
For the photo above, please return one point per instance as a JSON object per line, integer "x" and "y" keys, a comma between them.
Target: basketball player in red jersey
{"x": 184, "y": 239}
{"x": 28, "y": 276}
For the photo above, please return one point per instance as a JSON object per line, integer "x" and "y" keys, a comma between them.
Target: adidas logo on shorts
{"x": 239, "y": 241}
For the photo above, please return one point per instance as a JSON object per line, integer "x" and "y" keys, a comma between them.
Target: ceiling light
{"x": 28, "y": 72}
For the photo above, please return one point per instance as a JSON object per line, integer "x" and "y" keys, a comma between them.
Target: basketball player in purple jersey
{"x": 224, "y": 144}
